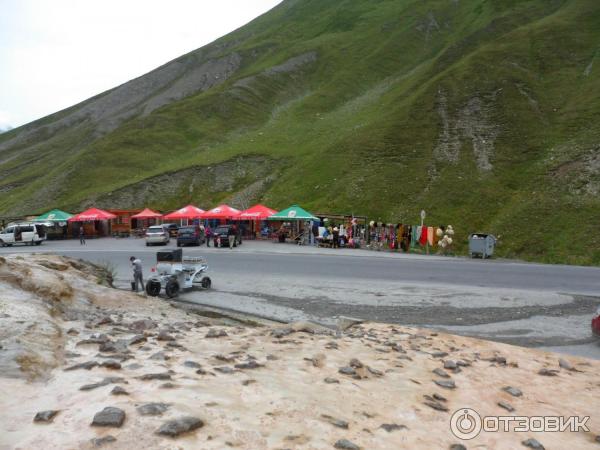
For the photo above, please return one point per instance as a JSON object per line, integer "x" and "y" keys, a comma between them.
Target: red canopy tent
{"x": 92, "y": 214}
{"x": 222, "y": 212}
{"x": 257, "y": 212}
{"x": 188, "y": 212}
{"x": 147, "y": 214}
{"x": 100, "y": 218}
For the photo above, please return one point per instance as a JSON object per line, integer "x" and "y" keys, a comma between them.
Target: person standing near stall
{"x": 208, "y": 234}
{"x": 81, "y": 235}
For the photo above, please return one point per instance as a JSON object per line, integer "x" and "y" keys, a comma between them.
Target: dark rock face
{"x": 345, "y": 444}
{"x": 152, "y": 409}
{"x": 45, "y": 416}
{"x": 109, "y": 417}
{"x": 174, "y": 428}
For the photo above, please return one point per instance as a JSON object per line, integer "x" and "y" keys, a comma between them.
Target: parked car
{"x": 221, "y": 236}
{"x": 596, "y": 323}
{"x": 22, "y": 233}
{"x": 157, "y": 234}
{"x": 171, "y": 228}
{"x": 190, "y": 235}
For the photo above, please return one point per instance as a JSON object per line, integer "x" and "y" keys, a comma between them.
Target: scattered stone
{"x": 160, "y": 356}
{"x": 134, "y": 366}
{"x": 506, "y": 406}
{"x": 104, "y": 321}
{"x": 458, "y": 447}
{"x": 512, "y": 391}
{"x": 533, "y": 443}
{"x": 152, "y": 409}
{"x": 45, "y": 416}
{"x": 164, "y": 336}
{"x": 272, "y": 358}
{"x": 142, "y": 325}
{"x": 435, "y": 405}
{"x": 564, "y": 364}
{"x": 462, "y": 363}
{"x": 201, "y": 371}
{"x": 224, "y": 369}
{"x": 109, "y": 417}
{"x": 118, "y": 390}
{"x": 377, "y": 373}
{"x": 439, "y": 354}
{"x": 330, "y": 380}
{"x": 72, "y": 332}
{"x": 247, "y": 382}
{"x": 281, "y": 332}
{"x": 94, "y": 339}
{"x": 192, "y": 364}
{"x": 88, "y": 365}
{"x": 500, "y": 360}
{"x": 104, "y": 382}
{"x": 213, "y": 333}
{"x": 335, "y": 422}
{"x": 548, "y": 372}
{"x": 174, "y": 428}
{"x": 168, "y": 385}
{"x": 347, "y": 370}
{"x": 99, "y": 442}
{"x": 224, "y": 358}
{"x": 155, "y": 376}
{"x": 389, "y": 427}
{"x": 68, "y": 354}
{"x": 113, "y": 347}
{"x": 331, "y": 345}
{"x": 449, "y": 364}
{"x": 446, "y": 384}
{"x": 137, "y": 339}
{"x": 110, "y": 364}
{"x": 345, "y": 444}
{"x": 174, "y": 344}
{"x": 598, "y": 438}
{"x": 441, "y": 373}
{"x": 356, "y": 363}
{"x": 439, "y": 397}
{"x": 248, "y": 365}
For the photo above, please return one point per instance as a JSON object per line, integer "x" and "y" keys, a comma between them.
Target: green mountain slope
{"x": 482, "y": 112}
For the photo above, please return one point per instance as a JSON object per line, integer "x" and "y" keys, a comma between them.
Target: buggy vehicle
{"x": 174, "y": 273}
{"x": 22, "y": 233}
{"x": 221, "y": 236}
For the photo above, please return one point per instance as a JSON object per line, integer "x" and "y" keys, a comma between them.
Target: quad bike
{"x": 174, "y": 273}
{"x": 596, "y": 323}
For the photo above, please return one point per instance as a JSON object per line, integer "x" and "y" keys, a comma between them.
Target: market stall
{"x": 142, "y": 220}
{"x": 256, "y": 219}
{"x": 95, "y": 222}
{"x": 121, "y": 226}
{"x": 295, "y": 224}
{"x": 55, "y": 222}
{"x": 187, "y": 213}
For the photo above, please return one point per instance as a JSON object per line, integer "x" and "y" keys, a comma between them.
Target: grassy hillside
{"x": 482, "y": 112}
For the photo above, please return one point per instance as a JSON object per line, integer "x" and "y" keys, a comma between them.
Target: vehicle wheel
{"x": 206, "y": 282}
{"x": 153, "y": 288}
{"x": 147, "y": 245}
{"x": 178, "y": 244}
{"x": 38, "y": 243}
{"x": 172, "y": 288}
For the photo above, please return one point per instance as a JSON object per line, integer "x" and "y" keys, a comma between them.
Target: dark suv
{"x": 171, "y": 228}
{"x": 221, "y": 235}
{"x": 189, "y": 235}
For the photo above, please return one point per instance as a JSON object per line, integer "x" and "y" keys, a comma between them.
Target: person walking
{"x": 336, "y": 237}
{"x": 136, "y": 264}
{"x": 208, "y": 234}
{"x": 231, "y": 233}
{"x": 81, "y": 235}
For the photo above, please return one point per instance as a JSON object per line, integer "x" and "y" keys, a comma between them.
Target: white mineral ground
{"x": 283, "y": 403}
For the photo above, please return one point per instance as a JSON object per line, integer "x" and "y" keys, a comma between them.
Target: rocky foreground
{"x": 86, "y": 366}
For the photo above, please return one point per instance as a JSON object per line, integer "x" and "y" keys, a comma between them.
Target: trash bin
{"x": 482, "y": 245}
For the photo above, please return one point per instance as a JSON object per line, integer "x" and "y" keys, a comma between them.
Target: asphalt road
{"x": 514, "y": 302}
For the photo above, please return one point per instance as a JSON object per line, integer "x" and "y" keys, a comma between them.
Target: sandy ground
{"x": 295, "y": 386}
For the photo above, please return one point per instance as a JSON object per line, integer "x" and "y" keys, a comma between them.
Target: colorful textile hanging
{"x": 430, "y": 235}
{"x": 423, "y": 239}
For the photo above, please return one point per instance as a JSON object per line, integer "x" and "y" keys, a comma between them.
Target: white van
{"x": 22, "y": 233}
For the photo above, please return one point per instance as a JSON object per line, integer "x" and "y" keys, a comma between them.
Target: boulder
{"x": 176, "y": 427}
{"x": 109, "y": 417}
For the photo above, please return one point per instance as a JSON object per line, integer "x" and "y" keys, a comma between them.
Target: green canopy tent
{"x": 294, "y": 212}
{"x": 55, "y": 223}
{"x": 56, "y": 215}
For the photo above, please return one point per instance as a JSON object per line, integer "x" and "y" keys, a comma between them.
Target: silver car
{"x": 157, "y": 235}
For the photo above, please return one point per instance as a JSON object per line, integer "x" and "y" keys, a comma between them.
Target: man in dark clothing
{"x": 231, "y": 233}
{"x": 208, "y": 234}
{"x": 81, "y": 235}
